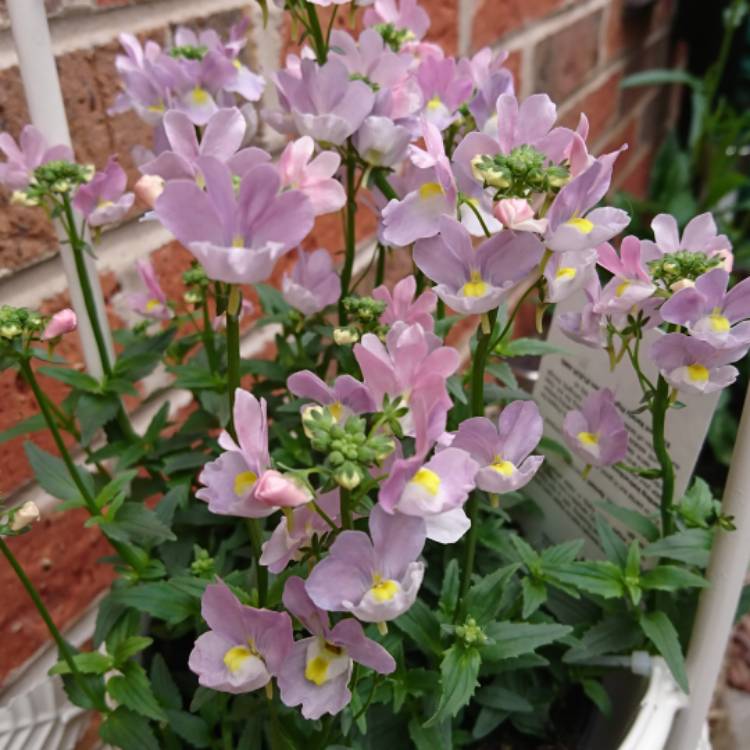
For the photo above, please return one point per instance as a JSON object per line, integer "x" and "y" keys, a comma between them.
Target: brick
{"x": 493, "y": 19}
{"x": 653, "y": 121}
{"x": 655, "y": 55}
{"x": 636, "y": 182}
{"x": 514, "y": 63}
{"x": 625, "y": 133}
{"x": 443, "y": 24}
{"x": 564, "y": 60}
{"x": 600, "y": 106}
{"x": 628, "y": 26}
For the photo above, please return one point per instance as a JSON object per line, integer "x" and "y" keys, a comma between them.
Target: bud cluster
{"x": 196, "y": 281}
{"x": 393, "y": 37}
{"x": 349, "y": 449}
{"x": 520, "y": 173}
{"x": 53, "y": 178}
{"x": 364, "y": 314}
{"x": 683, "y": 265}
{"x": 18, "y": 322}
{"x": 471, "y": 633}
{"x": 189, "y": 52}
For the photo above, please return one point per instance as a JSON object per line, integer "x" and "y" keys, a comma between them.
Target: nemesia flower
{"x": 324, "y": 103}
{"x": 153, "y": 303}
{"x": 280, "y": 490}
{"x": 231, "y": 481}
{"x": 446, "y": 85}
{"x": 313, "y": 283}
{"x": 596, "y": 433}
{"x": 244, "y": 648}
{"x": 316, "y": 673}
{"x": 434, "y": 491}
{"x": 312, "y": 177}
{"x": 566, "y": 273}
{"x": 710, "y": 313}
{"x": 24, "y": 157}
{"x": 403, "y": 306}
{"x": 571, "y": 225}
{"x": 375, "y": 577}
{"x": 103, "y": 200}
{"x": 473, "y": 281}
{"x": 296, "y": 529}
{"x": 695, "y": 365}
{"x": 503, "y": 451}
{"x": 62, "y": 322}
{"x": 403, "y": 15}
{"x": 380, "y": 142}
{"x": 518, "y": 214}
{"x": 631, "y": 283}
{"x": 491, "y": 80}
{"x": 699, "y": 236}
{"x": 237, "y": 236}
{"x": 347, "y": 396}
{"x": 587, "y": 326}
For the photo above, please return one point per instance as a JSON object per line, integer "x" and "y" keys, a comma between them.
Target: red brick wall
{"x": 576, "y": 50}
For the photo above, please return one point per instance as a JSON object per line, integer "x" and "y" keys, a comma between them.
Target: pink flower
{"x": 517, "y": 214}
{"x": 403, "y": 306}
{"x": 62, "y": 322}
{"x": 280, "y": 491}
{"x": 104, "y": 200}
{"x": 152, "y": 303}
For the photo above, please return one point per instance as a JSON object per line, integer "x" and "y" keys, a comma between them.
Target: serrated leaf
{"x": 503, "y": 372}
{"x": 660, "y": 631}
{"x": 634, "y": 520}
{"x": 184, "y": 462}
{"x": 164, "y": 687}
{"x": 159, "y": 599}
{"x": 128, "y": 730}
{"x": 614, "y": 634}
{"x": 534, "y": 595}
{"x": 193, "y": 729}
{"x": 93, "y": 412}
{"x": 599, "y": 577}
{"x": 449, "y": 589}
{"x": 34, "y": 423}
{"x": 135, "y": 523}
{"x": 88, "y": 662}
{"x": 79, "y": 380}
{"x": 459, "y": 671}
{"x": 526, "y": 553}
{"x": 132, "y": 689}
{"x": 503, "y": 699}
{"x": 130, "y": 647}
{"x": 436, "y": 737}
{"x": 421, "y": 625}
{"x": 671, "y": 578}
{"x": 485, "y": 597}
{"x": 614, "y": 548}
{"x": 488, "y": 719}
{"x": 53, "y": 475}
{"x": 691, "y": 546}
{"x": 513, "y": 639}
{"x": 528, "y": 348}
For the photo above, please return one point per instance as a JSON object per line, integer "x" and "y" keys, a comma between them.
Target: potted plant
{"x": 324, "y": 552}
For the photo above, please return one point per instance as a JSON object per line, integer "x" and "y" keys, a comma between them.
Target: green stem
{"x": 207, "y": 334}
{"x": 346, "y": 510}
{"x": 660, "y": 407}
{"x": 476, "y": 213}
{"x": 65, "y": 652}
{"x": 477, "y": 410}
{"x": 350, "y": 231}
{"x": 381, "y": 182}
{"x": 380, "y": 267}
{"x": 233, "y": 351}
{"x": 319, "y": 43}
{"x": 256, "y": 542}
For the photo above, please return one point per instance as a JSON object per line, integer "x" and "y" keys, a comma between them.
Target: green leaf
{"x": 513, "y": 639}
{"x": 528, "y": 348}
{"x": 671, "y": 578}
{"x": 614, "y": 548}
{"x": 128, "y": 730}
{"x": 184, "y": 462}
{"x": 660, "y": 631}
{"x": 193, "y": 729}
{"x": 599, "y": 577}
{"x": 697, "y": 505}
{"x": 598, "y": 695}
{"x": 421, "y": 625}
{"x": 159, "y": 599}
{"x": 120, "y": 484}
{"x": 459, "y": 671}
{"x": 659, "y": 76}
{"x": 526, "y": 552}
{"x": 88, "y": 662}
{"x": 634, "y": 520}
{"x": 488, "y": 719}
{"x": 486, "y": 596}
{"x": 132, "y": 689}
{"x": 79, "y": 380}
{"x": 271, "y": 299}
{"x": 534, "y": 595}
{"x": 503, "y": 372}
{"x": 130, "y": 647}
{"x": 449, "y": 590}
{"x": 561, "y": 554}
{"x": 137, "y": 524}
{"x": 436, "y": 737}
{"x": 53, "y": 476}
{"x": 193, "y": 376}
{"x": 614, "y": 634}
{"x": 503, "y": 699}
{"x": 548, "y": 445}
{"x": 164, "y": 687}
{"x": 691, "y": 546}
{"x": 34, "y": 423}
{"x": 93, "y": 412}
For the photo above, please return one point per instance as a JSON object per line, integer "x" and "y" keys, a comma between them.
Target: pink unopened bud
{"x": 149, "y": 188}
{"x": 512, "y": 211}
{"x": 278, "y": 490}
{"x": 62, "y": 322}
{"x": 682, "y": 284}
{"x": 24, "y": 516}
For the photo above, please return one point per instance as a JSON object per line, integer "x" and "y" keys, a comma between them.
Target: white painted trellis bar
{"x": 41, "y": 85}
{"x": 727, "y": 571}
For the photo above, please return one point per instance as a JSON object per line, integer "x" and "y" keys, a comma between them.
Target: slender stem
{"x": 380, "y": 268}
{"x": 207, "y": 334}
{"x": 256, "y": 542}
{"x": 319, "y": 43}
{"x": 512, "y": 317}
{"x": 381, "y": 182}
{"x": 658, "y": 423}
{"x": 350, "y": 231}
{"x": 477, "y": 410}
{"x": 233, "y": 351}
{"x": 476, "y": 213}
{"x": 62, "y": 645}
{"x": 346, "y": 510}
{"x": 324, "y": 516}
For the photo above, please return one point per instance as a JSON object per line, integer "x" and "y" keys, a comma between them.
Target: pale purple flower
{"x": 313, "y": 283}
{"x": 566, "y": 273}
{"x": 347, "y": 396}
{"x": 103, "y": 200}
{"x": 281, "y": 490}
{"x": 503, "y": 451}
{"x": 324, "y": 103}
{"x": 710, "y": 313}
{"x": 62, "y": 322}
{"x": 435, "y": 491}
{"x": 446, "y": 85}
{"x": 317, "y": 671}
{"x": 153, "y": 302}
{"x": 687, "y": 362}
{"x": 491, "y": 80}
{"x": 296, "y": 530}
{"x": 24, "y": 157}
{"x": 375, "y": 577}
{"x": 473, "y": 281}
{"x": 237, "y": 236}
{"x": 221, "y": 139}
{"x": 403, "y": 306}
{"x": 402, "y": 14}
{"x": 231, "y": 480}
{"x": 631, "y": 283}
{"x": 244, "y": 648}
{"x": 571, "y": 225}
{"x": 312, "y": 177}
{"x": 416, "y": 215}
{"x": 596, "y": 433}
{"x": 588, "y": 326}
{"x": 699, "y": 236}
{"x": 380, "y": 142}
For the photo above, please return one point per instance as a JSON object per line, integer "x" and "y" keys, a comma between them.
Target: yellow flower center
{"x": 199, "y": 96}
{"x": 430, "y": 190}
{"x": 622, "y": 288}
{"x": 590, "y": 439}
{"x": 434, "y": 103}
{"x": 316, "y": 669}
{"x": 698, "y": 373}
{"x": 501, "y": 466}
{"x": 237, "y": 656}
{"x": 566, "y": 273}
{"x": 244, "y": 482}
{"x": 103, "y": 204}
{"x": 152, "y": 304}
{"x": 383, "y": 589}
{"x": 718, "y": 322}
{"x": 428, "y": 480}
{"x": 337, "y": 410}
{"x": 475, "y": 286}
{"x": 582, "y": 225}
{"x": 156, "y": 107}
{"x": 238, "y": 241}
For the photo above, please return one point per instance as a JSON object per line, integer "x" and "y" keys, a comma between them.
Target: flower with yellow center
{"x": 475, "y": 286}
{"x": 434, "y": 103}
{"x": 430, "y": 190}
{"x": 244, "y": 482}
{"x": 589, "y": 439}
{"x": 325, "y": 661}
{"x": 383, "y": 589}
{"x": 698, "y": 373}
{"x": 199, "y": 96}
{"x": 236, "y": 657}
{"x": 152, "y": 305}
{"x": 718, "y": 322}
{"x": 501, "y": 466}
{"x": 566, "y": 273}
{"x": 427, "y": 479}
{"x": 582, "y": 225}
{"x": 238, "y": 241}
